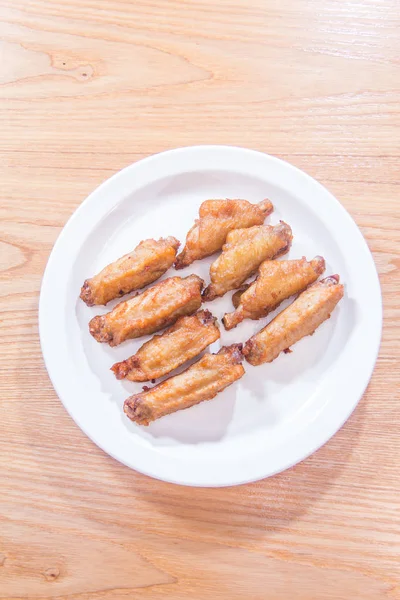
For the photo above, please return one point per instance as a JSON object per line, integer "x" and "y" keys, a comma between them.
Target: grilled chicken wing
{"x": 301, "y": 318}
{"x": 163, "y": 353}
{"x": 202, "y": 381}
{"x": 242, "y": 254}
{"x": 217, "y": 219}
{"x": 157, "y": 307}
{"x": 148, "y": 261}
{"x": 277, "y": 280}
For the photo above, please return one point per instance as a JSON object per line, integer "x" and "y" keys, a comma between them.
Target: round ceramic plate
{"x": 278, "y": 413}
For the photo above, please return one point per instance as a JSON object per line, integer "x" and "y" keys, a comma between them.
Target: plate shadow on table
{"x": 258, "y": 508}
{"x": 251, "y": 510}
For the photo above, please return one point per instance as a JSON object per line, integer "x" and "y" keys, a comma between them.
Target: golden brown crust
{"x": 122, "y": 369}
{"x": 157, "y": 307}
{"x": 148, "y": 261}
{"x": 87, "y": 294}
{"x": 300, "y": 319}
{"x": 201, "y": 381}
{"x": 217, "y": 219}
{"x": 163, "y": 353}
{"x": 242, "y": 254}
{"x": 277, "y": 280}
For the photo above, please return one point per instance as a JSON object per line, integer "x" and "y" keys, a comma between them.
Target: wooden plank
{"x": 86, "y": 88}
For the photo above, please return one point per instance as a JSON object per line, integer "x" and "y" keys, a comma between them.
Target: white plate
{"x": 278, "y": 413}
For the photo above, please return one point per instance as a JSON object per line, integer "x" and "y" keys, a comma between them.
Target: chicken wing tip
{"x": 331, "y": 280}
{"x": 247, "y": 347}
{"x": 121, "y": 369}
{"x": 208, "y": 294}
{"x": 172, "y": 241}
{"x": 319, "y": 263}
{"x": 231, "y": 320}
{"x": 207, "y": 317}
{"x": 266, "y": 206}
{"x": 98, "y": 331}
{"x": 137, "y": 410}
{"x": 282, "y": 225}
{"x": 226, "y": 321}
{"x": 181, "y": 261}
{"x": 235, "y": 351}
{"x": 250, "y": 353}
{"x": 196, "y": 279}
{"x": 87, "y": 293}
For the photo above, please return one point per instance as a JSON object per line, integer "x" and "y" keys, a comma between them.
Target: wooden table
{"x": 87, "y": 87}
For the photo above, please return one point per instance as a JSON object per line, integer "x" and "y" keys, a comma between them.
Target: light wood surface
{"x": 86, "y": 88}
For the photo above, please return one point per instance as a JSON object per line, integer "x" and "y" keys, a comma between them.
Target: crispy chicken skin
{"x": 201, "y": 381}
{"x": 277, "y": 280}
{"x": 217, "y": 219}
{"x": 163, "y": 353}
{"x": 242, "y": 254}
{"x": 301, "y": 318}
{"x": 148, "y": 261}
{"x": 157, "y": 307}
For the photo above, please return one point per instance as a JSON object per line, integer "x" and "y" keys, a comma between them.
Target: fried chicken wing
{"x": 242, "y": 254}
{"x": 163, "y": 353}
{"x": 148, "y": 261}
{"x": 277, "y": 280}
{"x": 238, "y": 294}
{"x": 301, "y": 318}
{"x": 157, "y": 307}
{"x": 202, "y": 381}
{"x": 217, "y": 219}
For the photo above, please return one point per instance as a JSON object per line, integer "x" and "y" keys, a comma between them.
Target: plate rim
{"x": 377, "y": 321}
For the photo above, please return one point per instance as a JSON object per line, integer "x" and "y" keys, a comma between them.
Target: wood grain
{"x": 87, "y": 87}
